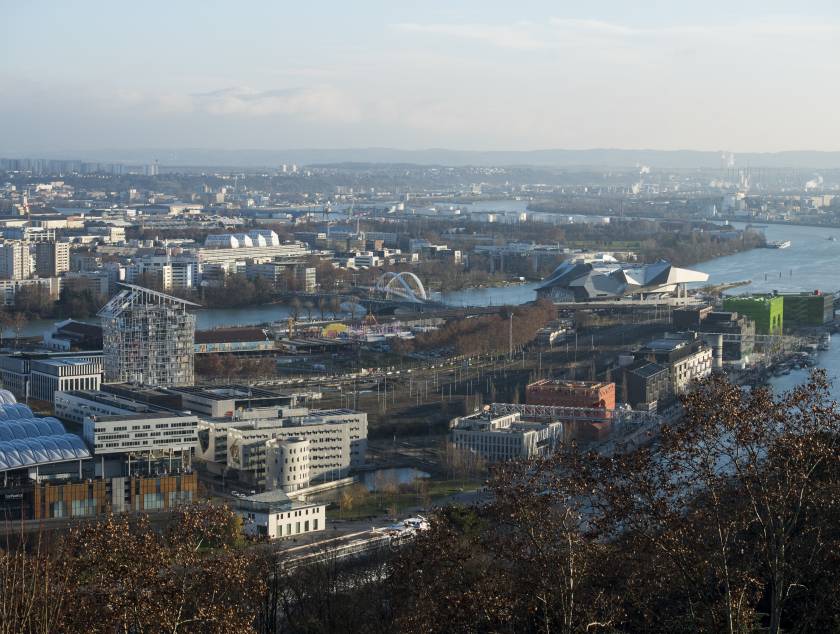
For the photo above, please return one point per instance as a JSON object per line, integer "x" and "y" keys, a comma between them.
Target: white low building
{"x": 49, "y": 376}
{"x": 274, "y": 515}
{"x": 218, "y": 254}
{"x": 41, "y": 376}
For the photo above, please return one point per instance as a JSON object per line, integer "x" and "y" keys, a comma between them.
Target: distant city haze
{"x": 139, "y": 81}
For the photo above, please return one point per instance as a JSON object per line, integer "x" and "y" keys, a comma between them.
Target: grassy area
{"x": 366, "y": 504}
{"x": 443, "y": 488}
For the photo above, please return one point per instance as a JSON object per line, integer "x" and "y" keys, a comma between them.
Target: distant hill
{"x": 611, "y": 158}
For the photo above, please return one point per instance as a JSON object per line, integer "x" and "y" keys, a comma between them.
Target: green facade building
{"x": 808, "y": 309}
{"x": 767, "y": 311}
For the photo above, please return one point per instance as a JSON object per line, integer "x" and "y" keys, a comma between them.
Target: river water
{"x": 205, "y": 319}
{"x": 810, "y": 263}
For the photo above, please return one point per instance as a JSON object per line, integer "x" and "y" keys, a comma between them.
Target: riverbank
{"x": 809, "y": 264}
{"x": 782, "y": 223}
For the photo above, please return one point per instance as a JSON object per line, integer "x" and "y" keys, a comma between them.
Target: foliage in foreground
{"x": 729, "y": 524}
{"x": 121, "y": 574}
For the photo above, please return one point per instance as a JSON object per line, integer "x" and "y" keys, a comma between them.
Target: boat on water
{"x": 778, "y": 244}
{"x": 825, "y": 342}
{"x": 831, "y": 239}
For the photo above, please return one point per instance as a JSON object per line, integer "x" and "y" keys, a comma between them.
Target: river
{"x": 810, "y": 263}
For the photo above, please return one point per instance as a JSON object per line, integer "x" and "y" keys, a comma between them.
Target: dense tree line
{"x": 682, "y": 243}
{"x": 34, "y": 302}
{"x": 213, "y": 366}
{"x": 237, "y": 291}
{"x": 686, "y": 248}
{"x": 487, "y": 333}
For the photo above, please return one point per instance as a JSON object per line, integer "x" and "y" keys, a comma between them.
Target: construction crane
{"x": 350, "y": 210}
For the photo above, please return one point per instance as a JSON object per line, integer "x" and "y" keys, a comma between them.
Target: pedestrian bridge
{"x": 404, "y": 286}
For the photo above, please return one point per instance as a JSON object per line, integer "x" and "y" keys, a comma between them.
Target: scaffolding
{"x": 148, "y": 338}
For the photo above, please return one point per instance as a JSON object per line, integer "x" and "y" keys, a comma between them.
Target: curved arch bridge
{"x": 392, "y": 291}
{"x": 404, "y": 286}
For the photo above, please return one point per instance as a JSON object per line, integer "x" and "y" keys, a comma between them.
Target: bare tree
{"x": 19, "y": 320}
{"x": 734, "y": 492}
{"x": 295, "y": 306}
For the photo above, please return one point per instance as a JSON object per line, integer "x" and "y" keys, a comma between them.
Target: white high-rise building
{"x": 15, "y": 260}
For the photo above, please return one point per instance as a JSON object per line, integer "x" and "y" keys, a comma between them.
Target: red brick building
{"x": 571, "y": 394}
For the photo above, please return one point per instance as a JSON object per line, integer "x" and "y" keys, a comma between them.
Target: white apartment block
{"x": 97, "y": 282}
{"x": 15, "y": 260}
{"x": 76, "y": 405}
{"x": 49, "y": 376}
{"x": 337, "y": 439}
{"x": 52, "y": 258}
{"x": 691, "y": 368}
{"x": 366, "y": 260}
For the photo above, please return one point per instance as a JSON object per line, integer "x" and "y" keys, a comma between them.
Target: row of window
{"x": 140, "y": 434}
{"x": 138, "y": 443}
{"x": 288, "y": 530}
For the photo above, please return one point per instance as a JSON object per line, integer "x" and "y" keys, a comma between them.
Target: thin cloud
{"x": 521, "y": 36}
{"x": 593, "y": 26}
{"x": 559, "y": 32}
{"x": 314, "y": 103}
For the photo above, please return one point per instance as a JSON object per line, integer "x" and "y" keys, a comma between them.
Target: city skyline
{"x": 472, "y": 77}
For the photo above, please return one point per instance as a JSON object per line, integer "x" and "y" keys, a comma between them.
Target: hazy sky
{"x": 745, "y": 75}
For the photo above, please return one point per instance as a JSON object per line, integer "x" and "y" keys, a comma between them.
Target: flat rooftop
{"x": 230, "y": 335}
{"x": 64, "y": 362}
{"x": 272, "y": 501}
{"x": 226, "y": 392}
{"x": 648, "y": 369}
{"x": 665, "y": 345}
{"x": 311, "y": 417}
{"x": 332, "y": 412}
{"x": 483, "y": 422}
{"x": 44, "y": 356}
{"x": 757, "y": 299}
{"x": 569, "y": 385}
{"x": 140, "y": 416}
{"x": 112, "y": 400}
